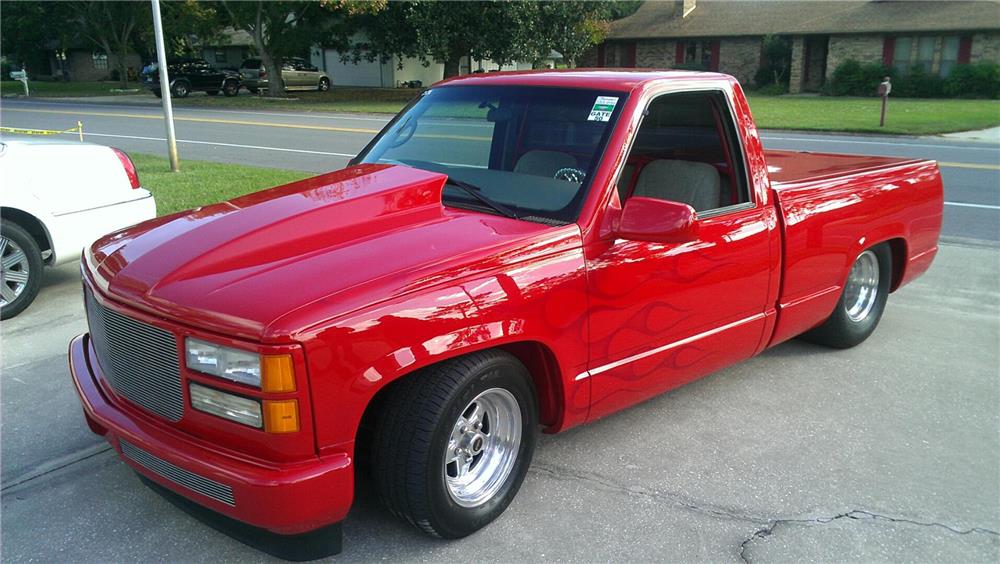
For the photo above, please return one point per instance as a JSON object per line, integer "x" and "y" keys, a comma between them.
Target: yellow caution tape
{"x": 78, "y": 129}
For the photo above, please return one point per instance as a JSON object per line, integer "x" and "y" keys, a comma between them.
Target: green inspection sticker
{"x": 602, "y": 109}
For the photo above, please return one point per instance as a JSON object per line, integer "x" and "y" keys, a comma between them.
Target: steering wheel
{"x": 570, "y": 174}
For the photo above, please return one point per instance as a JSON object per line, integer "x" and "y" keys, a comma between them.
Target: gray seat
{"x": 693, "y": 183}
{"x": 543, "y": 163}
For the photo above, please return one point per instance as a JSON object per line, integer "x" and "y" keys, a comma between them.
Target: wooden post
{"x": 883, "y": 91}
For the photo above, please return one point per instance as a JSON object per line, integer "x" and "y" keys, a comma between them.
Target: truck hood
{"x": 357, "y": 236}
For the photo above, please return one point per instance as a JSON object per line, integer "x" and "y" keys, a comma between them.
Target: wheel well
{"x": 897, "y": 248}
{"x": 31, "y": 224}
{"x": 536, "y": 357}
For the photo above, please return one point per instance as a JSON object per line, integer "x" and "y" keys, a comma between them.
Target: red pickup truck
{"x": 514, "y": 251}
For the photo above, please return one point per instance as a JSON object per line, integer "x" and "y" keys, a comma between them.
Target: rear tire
{"x": 157, "y": 93}
{"x": 453, "y": 442}
{"x": 21, "y": 275}
{"x": 324, "y": 84}
{"x": 861, "y": 303}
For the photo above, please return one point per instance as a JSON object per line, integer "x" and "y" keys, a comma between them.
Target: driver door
{"x": 662, "y": 315}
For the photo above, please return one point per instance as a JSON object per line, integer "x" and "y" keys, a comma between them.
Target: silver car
{"x": 298, "y": 74}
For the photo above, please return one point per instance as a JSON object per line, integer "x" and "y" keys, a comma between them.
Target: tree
{"x": 26, "y": 33}
{"x": 777, "y": 51}
{"x": 284, "y": 28}
{"x": 112, "y": 27}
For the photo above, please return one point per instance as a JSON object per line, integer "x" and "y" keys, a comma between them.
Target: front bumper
{"x": 284, "y": 499}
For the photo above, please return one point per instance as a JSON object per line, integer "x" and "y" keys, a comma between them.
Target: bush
{"x": 771, "y": 90}
{"x": 693, "y": 66}
{"x": 979, "y": 80}
{"x": 918, "y": 84}
{"x": 852, "y": 78}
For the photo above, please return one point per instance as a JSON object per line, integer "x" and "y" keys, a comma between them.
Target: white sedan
{"x": 55, "y": 198}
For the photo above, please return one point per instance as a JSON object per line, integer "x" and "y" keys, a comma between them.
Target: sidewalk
{"x": 991, "y": 135}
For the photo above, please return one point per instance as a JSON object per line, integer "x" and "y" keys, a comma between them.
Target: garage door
{"x": 348, "y": 74}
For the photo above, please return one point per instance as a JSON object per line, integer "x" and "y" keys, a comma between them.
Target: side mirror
{"x": 657, "y": 221}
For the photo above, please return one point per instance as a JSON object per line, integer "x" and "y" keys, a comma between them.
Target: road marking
{"x": 203, "y": 120}
{"x": 178, "y": 109}
{"x": 857, "y": 142}
{"x": 979, "y": 206}
{"x": 969, "y": 165}
{"x": 237, "y": 146}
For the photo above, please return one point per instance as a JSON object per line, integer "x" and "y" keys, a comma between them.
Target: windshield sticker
{"x": 602, "y": 109}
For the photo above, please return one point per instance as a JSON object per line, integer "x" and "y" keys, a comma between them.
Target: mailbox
{"x": 19, "y": 75}
{"x": 885, "y": 87}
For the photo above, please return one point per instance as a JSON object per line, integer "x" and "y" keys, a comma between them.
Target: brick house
{"x": 727, "y": 36}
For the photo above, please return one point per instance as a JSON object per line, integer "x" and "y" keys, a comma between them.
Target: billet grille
{"x": 200, "y": 484}
{"x": 139, "y": 360}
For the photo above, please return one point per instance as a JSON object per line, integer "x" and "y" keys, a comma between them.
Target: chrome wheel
{"x": 483, "y": 447}
{"x": 861, "y": 291}
{"x": 15, "y": 271}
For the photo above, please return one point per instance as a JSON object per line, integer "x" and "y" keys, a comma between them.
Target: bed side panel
{"x": 828, "y": 223}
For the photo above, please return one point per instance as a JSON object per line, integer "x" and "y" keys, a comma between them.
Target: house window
{"x": 220, "y": 56}
{"x": 910, "y": 52}
{"x": 619, "y": 55}
{"x": 925, "y": 53}
{"x": 100, "y": 60}
{"x": 901, "y": 56}
{"x": 698, "y": 54}
{"x": 949, "y": 55}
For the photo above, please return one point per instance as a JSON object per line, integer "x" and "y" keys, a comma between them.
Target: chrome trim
{"x": 140, "y": 362}
{"x": 639, "y": 356}
{"x": 198, "y": 484}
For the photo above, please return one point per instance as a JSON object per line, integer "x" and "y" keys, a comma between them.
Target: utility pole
{"x": 168, "y": 110}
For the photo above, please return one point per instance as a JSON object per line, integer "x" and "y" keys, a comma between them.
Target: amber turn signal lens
{"x": 277, "y": 374}
{"x": 281, "y": 416}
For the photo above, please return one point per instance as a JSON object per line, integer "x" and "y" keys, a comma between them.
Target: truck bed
{"x": 795, "y": 168}
{"x": 834, "y": 206}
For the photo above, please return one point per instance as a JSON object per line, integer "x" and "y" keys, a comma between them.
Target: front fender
{"x": 542, "y": 303}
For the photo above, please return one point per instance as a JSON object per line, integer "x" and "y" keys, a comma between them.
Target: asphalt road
{"x": 886, "y": 452}
{"x": 320, "y": 142}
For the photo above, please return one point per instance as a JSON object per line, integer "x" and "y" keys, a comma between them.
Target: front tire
{"x": 453, "y": 443}
{"x": 230, "y": 88}
{"x": 21, "y": 275}
{"x": 324, "y": 84}
{"x": 861, "y": 303}
{"x": 180, "y": 89}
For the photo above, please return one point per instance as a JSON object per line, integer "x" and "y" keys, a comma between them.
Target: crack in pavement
{"x": 55, "y": 464}
{"x": 770, "y": 525}
{"x": 855, "y": 514}
{"x": 561, "y": 473}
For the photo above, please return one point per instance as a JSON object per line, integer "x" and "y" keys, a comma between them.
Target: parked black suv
{"x": 188, "y": 75}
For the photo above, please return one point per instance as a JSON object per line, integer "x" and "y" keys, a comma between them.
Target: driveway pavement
{"x": 889, "y": 451}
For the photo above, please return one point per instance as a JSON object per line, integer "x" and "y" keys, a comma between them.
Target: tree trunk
{"x": 452, "y": 65}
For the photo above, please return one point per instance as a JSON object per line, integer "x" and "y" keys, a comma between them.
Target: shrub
{"x": 918, "y": 84}
{"x": 852, "y": 78}
{"x": 777, "y": 55}
{"x": 978, "y": 80}
{"x": 772, "y": 90}
{"x": 693, "y": 66}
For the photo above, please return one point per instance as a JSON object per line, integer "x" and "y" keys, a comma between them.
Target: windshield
{"x": 529, "y": 149}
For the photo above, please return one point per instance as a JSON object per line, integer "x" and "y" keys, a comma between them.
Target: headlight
{"x": 228, "y": 406}
{"x": 224, "y": 362}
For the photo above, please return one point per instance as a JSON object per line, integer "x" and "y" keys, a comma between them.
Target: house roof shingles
{"x": 662, "y": 19}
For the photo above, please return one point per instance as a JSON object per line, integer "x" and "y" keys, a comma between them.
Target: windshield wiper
{"x": 476, "y": 192}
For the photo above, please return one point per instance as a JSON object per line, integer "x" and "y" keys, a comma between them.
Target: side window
{"x": 686, "y": 150}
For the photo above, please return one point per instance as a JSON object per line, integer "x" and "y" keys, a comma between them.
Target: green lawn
{"x": 200, "y": 183}
{"x": 904, "y": 115}
{"x": 67, "y": 89}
